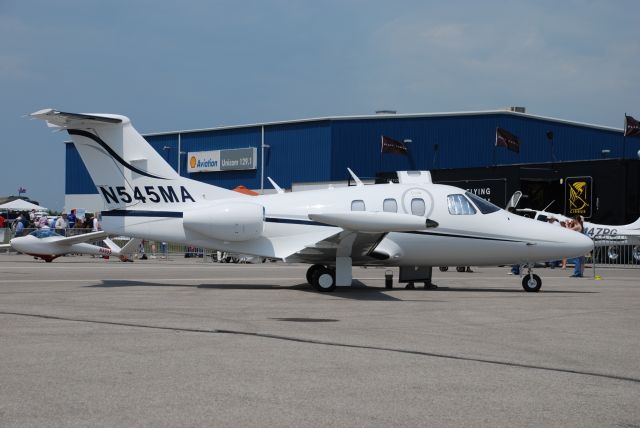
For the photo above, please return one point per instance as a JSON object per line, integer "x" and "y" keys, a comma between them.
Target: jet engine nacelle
{"x": 231, "y": 221}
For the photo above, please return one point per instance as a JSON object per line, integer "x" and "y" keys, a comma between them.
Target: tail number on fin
{"x": 154, "y": 194}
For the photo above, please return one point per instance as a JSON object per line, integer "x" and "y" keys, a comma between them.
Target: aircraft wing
{"x": 85, "y": 237}
{"x": 363, "y": 245}
{"x": 359, "y": 234}
{"x": 374, "y": 222}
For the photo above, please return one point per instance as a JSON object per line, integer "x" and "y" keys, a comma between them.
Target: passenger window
{"x": 418, "y": 207}
{"x": 459, "y": 205}
{"x": 357, "y": 205}
{"x": 390, "y": 205}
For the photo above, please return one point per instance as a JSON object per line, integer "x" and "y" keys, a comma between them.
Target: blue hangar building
{"x": 576, "y": 168}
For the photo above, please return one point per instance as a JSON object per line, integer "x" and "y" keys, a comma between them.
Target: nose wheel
{"x": 531, "y": 282}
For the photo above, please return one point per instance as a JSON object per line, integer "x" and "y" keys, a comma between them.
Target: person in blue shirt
{"x": 19, "y": 226}
{"x": 71, "y": 219}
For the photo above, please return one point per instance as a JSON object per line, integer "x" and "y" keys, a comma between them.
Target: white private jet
{"x": 603, "y": 235}
{"x": 414, "y": 224}
{"x": 48, "y": 245}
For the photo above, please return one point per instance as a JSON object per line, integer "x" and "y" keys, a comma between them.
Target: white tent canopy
{"x": 21, "y": 205}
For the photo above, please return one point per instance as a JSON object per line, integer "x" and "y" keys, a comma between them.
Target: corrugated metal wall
{"x": 322, "y": 150}
{"x": 77, "y": 180}
{"x": 462, "y": 142}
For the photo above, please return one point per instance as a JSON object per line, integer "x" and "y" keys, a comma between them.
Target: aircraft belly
{"x": 433, "y": 250}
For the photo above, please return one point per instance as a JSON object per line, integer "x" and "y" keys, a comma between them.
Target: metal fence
{"x": 619, "y": 251}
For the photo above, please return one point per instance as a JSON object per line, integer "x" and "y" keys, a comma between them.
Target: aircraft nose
{"x": 578, "y": 243}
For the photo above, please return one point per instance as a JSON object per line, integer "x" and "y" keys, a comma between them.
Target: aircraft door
{"x": 417, "y": 201}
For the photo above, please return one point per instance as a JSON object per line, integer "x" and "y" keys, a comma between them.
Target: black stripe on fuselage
{"x": 142, "y": 213}
{"x": 452, "y": 235}
{"x": 111, "y": 152}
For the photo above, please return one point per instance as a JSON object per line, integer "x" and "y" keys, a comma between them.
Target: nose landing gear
{"x": 531, "y": 282}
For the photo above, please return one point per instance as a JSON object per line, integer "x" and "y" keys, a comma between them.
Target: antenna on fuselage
{"x": 355, "y": 178}
{"x": 275, "y": 186}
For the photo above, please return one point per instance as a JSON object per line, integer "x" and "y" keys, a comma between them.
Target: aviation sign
{"x": 222, "y": 160}
{"x": 577, "y": 196}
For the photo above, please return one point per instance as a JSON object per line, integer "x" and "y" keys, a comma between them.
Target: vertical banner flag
{"x": 631, "y": 126}
{"x": 389, "y": 145}
{"x": 21, "y": 190}
{"x": 506, "y": 139}
{"x": 578, "y": 196}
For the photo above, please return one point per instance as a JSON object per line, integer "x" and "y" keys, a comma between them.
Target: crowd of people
{"x": 61, "y": 223}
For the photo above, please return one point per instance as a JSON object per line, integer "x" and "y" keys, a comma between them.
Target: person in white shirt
{"x": 61, "y": 224}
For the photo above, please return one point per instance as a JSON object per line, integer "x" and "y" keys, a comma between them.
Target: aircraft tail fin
{"x": 129, "y": 248}
{"x": 127, "y": 171}
{"x": 635, "y": 224}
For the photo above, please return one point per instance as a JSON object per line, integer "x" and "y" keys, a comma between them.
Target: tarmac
{"x": 182, "y": 342}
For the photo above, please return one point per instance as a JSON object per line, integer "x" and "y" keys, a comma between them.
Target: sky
{"x": 173, "y": 65}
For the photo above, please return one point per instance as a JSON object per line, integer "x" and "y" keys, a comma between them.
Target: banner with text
{"x": 222, "y": 160}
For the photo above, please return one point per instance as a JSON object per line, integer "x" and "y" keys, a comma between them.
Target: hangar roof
{"x": 392, "y": 116}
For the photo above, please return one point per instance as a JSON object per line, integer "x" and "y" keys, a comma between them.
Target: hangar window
{"x": 483, "y": 205}
{"x": 459, "y": 205}
{"x": 357, "y": 205}
{"x": 390, "y": 205}
{"x": 418, "y": 207}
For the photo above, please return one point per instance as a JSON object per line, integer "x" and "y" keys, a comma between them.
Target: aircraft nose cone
{"x": 577, "y": 243}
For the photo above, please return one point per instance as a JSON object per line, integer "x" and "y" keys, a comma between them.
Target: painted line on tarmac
{"x": 334, "y": 344}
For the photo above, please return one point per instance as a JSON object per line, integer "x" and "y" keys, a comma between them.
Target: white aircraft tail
{"x": 127, "y": 171}
{"x": 635, "y": 225}
{"x": 129, "y": 248}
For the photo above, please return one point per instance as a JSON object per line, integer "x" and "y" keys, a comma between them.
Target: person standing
{"x": 19, "y": 230}
{"x": 578, "y": 269}
{"x": 2, "y": 222}
{"x": 61, "y": 224}
{"x": 71, "y": 219}
{"x": 95, "y": 224}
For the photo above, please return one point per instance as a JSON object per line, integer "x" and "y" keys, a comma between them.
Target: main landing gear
{"x": 531, "y": 282}
{"x": 322, "y": 278}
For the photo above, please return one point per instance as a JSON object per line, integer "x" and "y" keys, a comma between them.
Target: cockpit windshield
{"x": 44, "y": 233}
{"x": 483, "y": 205}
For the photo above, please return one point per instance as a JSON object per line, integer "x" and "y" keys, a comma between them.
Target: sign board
{"x": 578, "y": 195}
{"x": 493, "y": 190}
{"x": 222, "y": 160}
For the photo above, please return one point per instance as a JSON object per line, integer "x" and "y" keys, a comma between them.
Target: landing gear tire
{"x": 531, "y": 283}
{"x": 324, "y": 279}
{"x": 461, "y": 269}
{"x": 312, "y": 269}
{"x": 443, "y": 268}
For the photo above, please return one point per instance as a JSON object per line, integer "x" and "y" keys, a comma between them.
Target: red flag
{"x": 389, "y": 145}
{"x": 506, "y": 139}
{"x": 631, "y": 126}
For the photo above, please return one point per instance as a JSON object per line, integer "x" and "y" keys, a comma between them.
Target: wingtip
{"x": 43, "y": 112}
